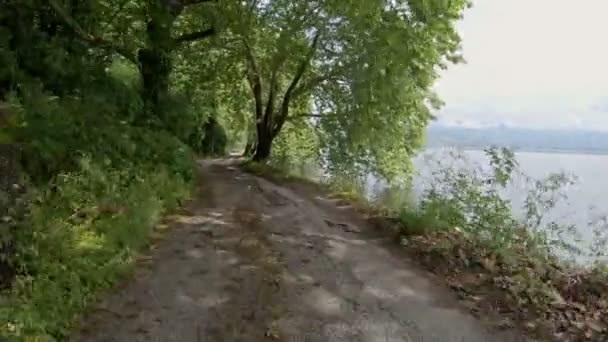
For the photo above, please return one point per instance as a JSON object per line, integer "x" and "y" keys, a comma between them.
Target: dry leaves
{"x": 534, "y": 294}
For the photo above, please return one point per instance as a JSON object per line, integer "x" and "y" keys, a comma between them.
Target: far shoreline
{"x": 527, "y": 150}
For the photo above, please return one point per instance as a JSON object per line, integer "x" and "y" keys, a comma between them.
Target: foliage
{"x": 210, "y": 78}
{"x": 362, "y": 69}
{"x": 110, "y": 99}
{"x": 101, "y": 170}
{"x": 215, "y": 140}
{"x": 464, "y": 229}
{"x": 83, "y": 235}
{"x": 472, "y": 199}
{"x": 60, "y": 130}
{"x": 99, "y": 184}
{"x": 297, "y": 148}
{"x": 13, "y": 208}
{"x": 366, "y": 66}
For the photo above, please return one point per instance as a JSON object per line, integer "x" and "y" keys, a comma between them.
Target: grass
{"x": 82, "y": 237}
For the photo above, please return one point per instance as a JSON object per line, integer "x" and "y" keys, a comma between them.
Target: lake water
{"x": 587, "y": 198}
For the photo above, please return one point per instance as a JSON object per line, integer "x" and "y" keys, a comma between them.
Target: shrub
{"x": 101, "y": 171}
{"x": 297, "y": 150}
{"x": 13, "y": 208}
{"x": 99, "y": 184}
{"x": 215, "y": 140}
{"x": 465, "y": 230}
{"x": 82, "y": 236}
{"x": 472, "y": 199}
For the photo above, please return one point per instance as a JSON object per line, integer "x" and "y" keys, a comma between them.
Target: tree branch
{"x": 194, "y": 2}
{"x": 304, "y": 116}
{"x": 313, "y": 82}
{"x": 178, "y": 6}
{"x": 274, "y": 88}
{"x": 284, "y": 109}
{"x": 272, "y": 95}
{"x": 255, "y": 80}
{"x": 89, "y": 38}
{"x": 189, "y": 37}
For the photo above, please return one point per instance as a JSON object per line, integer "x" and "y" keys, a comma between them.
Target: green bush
{"x": 83, "y": 235}
{"x": 215, "y": 140}
{"x": 471, "y": 200}
{"x": 100, "y": 184}
{"x": 184, "y": 118}
{"x": 101, "y": 171}
{"x": 57, "y": 132}
{"x": 416, "y": 222}
{"x": 297, "y": 149}
{"x": 100, "y": 181}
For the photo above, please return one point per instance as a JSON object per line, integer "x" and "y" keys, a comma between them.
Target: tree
{"x": 366, "y": 67}
{"x": 153, "y": 53}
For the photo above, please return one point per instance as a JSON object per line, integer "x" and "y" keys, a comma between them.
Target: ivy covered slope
{"x": 98, "y": 138}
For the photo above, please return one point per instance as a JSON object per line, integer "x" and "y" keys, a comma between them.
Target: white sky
{"x": 533, "y": 63}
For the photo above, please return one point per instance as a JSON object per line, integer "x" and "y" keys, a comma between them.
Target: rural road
{"x": 249, "y": 260}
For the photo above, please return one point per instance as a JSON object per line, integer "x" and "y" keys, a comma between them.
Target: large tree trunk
{"x": 269, "y": 121}
{"x": 155, "y": 67}
{"x": 264, "y": 143}
{"x": 154, "y": 60}
{"x": 250, "y": 148}
{"x": 252, "y": 141}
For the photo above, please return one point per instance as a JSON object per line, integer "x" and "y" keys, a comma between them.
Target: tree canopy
{"x": 108, "y": 102}
{"x": 357, "y": 74}
{"x": 361, "y": 71}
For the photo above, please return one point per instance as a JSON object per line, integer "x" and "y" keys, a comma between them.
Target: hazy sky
{"x": 538, "y": 63}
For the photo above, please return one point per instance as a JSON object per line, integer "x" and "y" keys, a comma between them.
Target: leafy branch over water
{"x": 474, "y": 198}
{"x": 465, "y": 228}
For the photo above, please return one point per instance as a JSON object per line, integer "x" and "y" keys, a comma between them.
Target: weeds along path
{"x": 253, "y": 261}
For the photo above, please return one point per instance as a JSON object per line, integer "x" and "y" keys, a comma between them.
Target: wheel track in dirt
{"x": 250, "y": 260}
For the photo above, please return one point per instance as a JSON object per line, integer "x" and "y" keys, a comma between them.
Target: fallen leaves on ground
{"x": 533, "y": 293}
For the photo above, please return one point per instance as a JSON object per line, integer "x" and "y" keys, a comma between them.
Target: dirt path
{"x": 253, "y": 261}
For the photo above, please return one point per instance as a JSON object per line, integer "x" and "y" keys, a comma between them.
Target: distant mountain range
{"x": 519, "y": 139}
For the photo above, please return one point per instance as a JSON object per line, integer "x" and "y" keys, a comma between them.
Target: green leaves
{"x": 363, "y": 70}
{"x": 369, "y": 77}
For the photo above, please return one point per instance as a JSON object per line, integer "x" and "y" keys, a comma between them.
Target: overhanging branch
{"x": 315, "y": 81}
{"x": 254, "y": 79}
{"x": 194, "y": 2}
{"x": 295, "y": 117}
{"x": 89, "y": 38}
{"x": 177, "y": 6}
{"x": 284, "y": 109}
{"x": 273, "y": 89}
{"x": 189, "y": 37}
